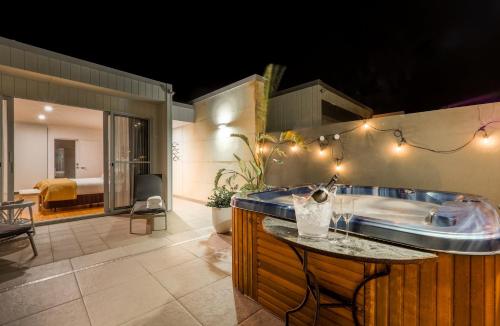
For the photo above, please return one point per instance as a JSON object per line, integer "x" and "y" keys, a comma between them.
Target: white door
{"x": 88, "y": 159}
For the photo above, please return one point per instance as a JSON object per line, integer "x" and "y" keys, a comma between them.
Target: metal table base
{"x": 313, "y": 287}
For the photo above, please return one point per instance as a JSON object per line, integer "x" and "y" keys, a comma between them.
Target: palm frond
{"x": 242, "y": 137}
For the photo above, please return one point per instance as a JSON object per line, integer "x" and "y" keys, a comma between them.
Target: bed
{"x": 63, "y": 193}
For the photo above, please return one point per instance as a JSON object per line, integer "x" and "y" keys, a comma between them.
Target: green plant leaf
{"x": 266, "y": 137}
{"x": 217, "y": 177}
{"x": 280, "y": 152}
{"x": 242, "y": 137}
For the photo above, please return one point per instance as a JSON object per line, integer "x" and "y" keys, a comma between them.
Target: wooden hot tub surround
{"x": 450, "y": 290}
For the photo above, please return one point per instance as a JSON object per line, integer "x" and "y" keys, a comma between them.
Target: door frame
{"x": 9, "y": 160}
{"x": 110, "y": 161}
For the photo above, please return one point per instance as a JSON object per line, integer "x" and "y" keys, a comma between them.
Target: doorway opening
{"x": 58, "y": 159}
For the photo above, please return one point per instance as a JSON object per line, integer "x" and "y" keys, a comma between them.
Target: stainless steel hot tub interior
{"x": 442, "y": 221}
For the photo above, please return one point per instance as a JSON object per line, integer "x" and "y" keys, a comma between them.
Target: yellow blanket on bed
{"x": 57, "y": 189}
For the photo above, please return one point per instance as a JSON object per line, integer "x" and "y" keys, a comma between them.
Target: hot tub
{"x": 431, "y": 220}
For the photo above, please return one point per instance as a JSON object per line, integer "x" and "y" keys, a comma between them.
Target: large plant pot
{"x": 221, "y": 219}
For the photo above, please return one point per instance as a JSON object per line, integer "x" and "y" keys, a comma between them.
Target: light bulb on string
{"x": 338, "y": 166}
{"x": 398, "y": 148}
{"x": 486, "y": 140}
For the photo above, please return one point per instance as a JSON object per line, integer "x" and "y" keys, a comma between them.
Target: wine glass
{"x": 336, "y": 215}
{"x": 348, "y": 213}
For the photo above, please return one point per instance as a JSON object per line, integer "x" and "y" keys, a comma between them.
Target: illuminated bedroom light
{"x": 294, "y": 148}
{"x": 366, "y": 125}
{"x": 41, "y": 117}
{"x": 321, "y": 152}
{"x": 338, "y": 166}
{"x": 222, "y": 126}
{"x": 336, "y": 136}
{"x": 48, "y": 108}
{"x": 321, "y": 138}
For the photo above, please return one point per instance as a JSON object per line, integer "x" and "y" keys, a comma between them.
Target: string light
{"x": 398, "y": 148}
{"x": 339, "y": 167}
{"x": 486, "y": 140}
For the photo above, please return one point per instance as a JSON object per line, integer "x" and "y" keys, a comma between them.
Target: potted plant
{"x": 220, "y": 201}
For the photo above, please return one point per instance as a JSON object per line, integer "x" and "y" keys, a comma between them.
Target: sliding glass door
{"x": 128, "y": 156}
{"x": 6, "y": 148}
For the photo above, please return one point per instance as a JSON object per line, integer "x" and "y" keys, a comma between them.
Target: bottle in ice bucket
{"x": 313, "y": 217}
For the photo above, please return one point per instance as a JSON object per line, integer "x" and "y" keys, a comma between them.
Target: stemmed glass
{"x": 336, "y": 215}
{"x": 348, "y": 213}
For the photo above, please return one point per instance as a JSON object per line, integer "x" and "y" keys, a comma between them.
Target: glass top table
{"x": 358, "y": 249}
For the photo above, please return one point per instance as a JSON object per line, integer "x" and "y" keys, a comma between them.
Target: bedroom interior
{"x": 58, "y": 163}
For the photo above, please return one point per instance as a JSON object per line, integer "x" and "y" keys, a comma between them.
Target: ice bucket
{"x": 313, "y": 219}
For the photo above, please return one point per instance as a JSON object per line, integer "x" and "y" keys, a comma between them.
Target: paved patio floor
{"x": 93, "y": 272}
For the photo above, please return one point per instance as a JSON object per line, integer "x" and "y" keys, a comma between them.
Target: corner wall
{"x": 370, "y": 158}
{"x": 204, "y": 148}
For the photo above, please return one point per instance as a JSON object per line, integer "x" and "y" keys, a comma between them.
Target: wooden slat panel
{"x": 235, "y": 249}
{"x": 369, "y": 293}
{"x": 477, "y": 290}
{"x": 411, "y": 295}
{"x": 382, "y": 299}
{"x": 445, "y": 290}
{"x": 396, "y": 295}
{"x": 461, "y": 300}
{"x": 489, "y": 290}
{"x": 427, "y": 303}
{"x": 240, "y": 245}
{"x": 245, "y": 250}
{"x": 497, "y": 290}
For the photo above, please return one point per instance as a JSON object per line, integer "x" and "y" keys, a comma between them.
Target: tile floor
{"x": 93, "y": 272}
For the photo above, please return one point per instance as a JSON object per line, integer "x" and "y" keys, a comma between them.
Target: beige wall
{"x": 370, "y": 158}
{"x": 204, "y": 148}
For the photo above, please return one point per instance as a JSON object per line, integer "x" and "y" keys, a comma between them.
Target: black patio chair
{"x": 10, "y": 231}
{"x": 145, "y": 186}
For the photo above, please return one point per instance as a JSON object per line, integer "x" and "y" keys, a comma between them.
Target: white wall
{"x": 71, "y": 133}
{"x": 34, "y": 151}
{"x": 30, "y": 154}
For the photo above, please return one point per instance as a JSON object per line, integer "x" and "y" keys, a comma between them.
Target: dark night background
{"x": 416, "y": 57}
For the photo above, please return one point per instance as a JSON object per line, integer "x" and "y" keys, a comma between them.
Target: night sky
{"x": 416, "y": 57}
